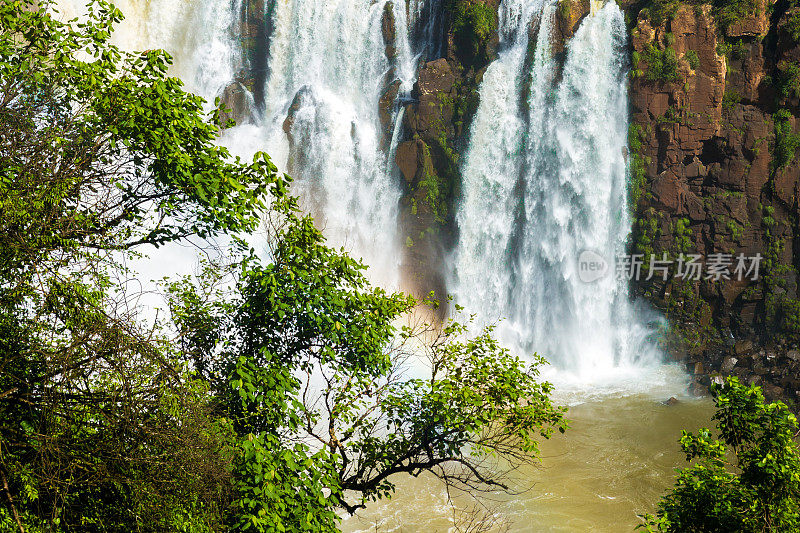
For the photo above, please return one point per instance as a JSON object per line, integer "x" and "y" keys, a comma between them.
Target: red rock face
{"x": 708, "y": 144}
{"x": 755, "y": 25}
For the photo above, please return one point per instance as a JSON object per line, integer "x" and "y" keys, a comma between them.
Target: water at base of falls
{"x": 544, "y": 180}
{"x": 614, "y": 462}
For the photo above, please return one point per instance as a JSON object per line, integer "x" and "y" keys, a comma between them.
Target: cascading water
{"x": 327, "y": 67}
{"x": 543, "y": 176}
{"x": 544, "y": 180}
{"x": 198, "y": 35}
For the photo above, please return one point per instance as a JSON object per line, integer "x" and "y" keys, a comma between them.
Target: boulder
{"x": 409, "y": 158}
{"x": 239, "y": 102}
{"x": 728, "y": 364}
{"x": 697, "y": 389}
{"x": 743, "y": 347}
{"x": 754, "y": 25}
{"x": 389, "y": 30}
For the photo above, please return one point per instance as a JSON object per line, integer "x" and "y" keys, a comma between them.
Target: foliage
{"x": 474, "y": 23}
{"x": 646, "y": 230}
{"x": 208, "y": 421}
{"x": 739, "y": 50}
{"x": 781, "y": 311}
{"x": 724, "y": 48}
{"x": 101, "y": 424}
{"x": 310, "y": 316}
{"x": 662, "y": 64}
{"x": 786, "y": 141}
{"x": 787, "y": 83}
{"x": 728, "y": 12}
{"x": 659, "y": 11}
{"x": 638, "y": 167}
{"x": 730, "y": 100}
{"x": 635, "y": 60}
{"x": 792, "y": 26}
{"x": 746, "y": 480}
{"x": 682, "y": 234}
{"x": 692, "y": 59}
{"x": 564, "y": 9}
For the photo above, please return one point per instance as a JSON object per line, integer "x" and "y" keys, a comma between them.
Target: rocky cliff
{"x": 435, "y": 125}
{"x": 714, "y": 93}
{"x": 713, "y": 138}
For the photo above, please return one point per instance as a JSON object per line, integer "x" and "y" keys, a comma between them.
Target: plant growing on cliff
{"x": 682, "y": 235}
{"x": 646, "y": 230}
{"x": 788, "y": 80}
{"x": 793, "y": 24}
{"x": 780, "y": 310}
{"x": 747, "y": 480}
{"x": 692, "y": 59}
{"x": 787, "y": 141}
{"x": 637, "y": 166}
{"x": 728, "y": 12}
{"x": 474, "y": 23}
{"x": 730, "y": 100}
{"x": 635, "y": 60}
{"x": 564, "y": 9}
{"x": 662, "y": 64}
{"x": 659, "y": 11}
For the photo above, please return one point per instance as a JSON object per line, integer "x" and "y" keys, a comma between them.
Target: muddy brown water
{"x": 616, "y": 460}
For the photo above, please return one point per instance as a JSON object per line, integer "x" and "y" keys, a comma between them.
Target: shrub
{"x": 662, "y": 65}
{"x": 473, "y": 26}
{"x": 793, "y": 26}
{"x": 730, "y": 99}
{"x": 747, "y": 480}
{"x": 786, "y": 141}
{"x": 788, "y": 82}
{"x": 659, "y": 11}
{"x": 638, "y": 168}
{"x": 728, "y": 12}
{"x": 739, "y": 50}
{"x": 691, "y": 57}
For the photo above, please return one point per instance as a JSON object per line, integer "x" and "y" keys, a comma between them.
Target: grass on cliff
{"x": 662, "y": 64}
{"x": 786, "y": 141}
{"x": 474, "y": 23}
{"x": 729, "y": 12}
{"x": 638, "y": 166}
{"x": 725, "y": 12}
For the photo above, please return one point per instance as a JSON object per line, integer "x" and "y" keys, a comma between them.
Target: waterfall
{"x": 197, "y": 35}
{"x": 327, "y": 68}
{"x": 544, "y": 173}
{"x": 544, "y": 179}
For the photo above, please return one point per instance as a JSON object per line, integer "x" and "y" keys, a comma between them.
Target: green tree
{"x": 102, "y": 154}
{"x": 319, "y": 399}
{"x": 747, "y": 480}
